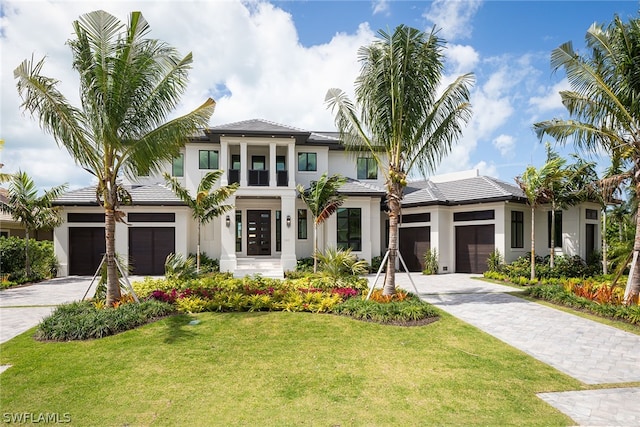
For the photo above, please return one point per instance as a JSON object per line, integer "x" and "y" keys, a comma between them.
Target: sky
{"x": 275, "y": 60}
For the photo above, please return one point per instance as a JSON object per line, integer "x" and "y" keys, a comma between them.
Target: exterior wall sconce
{"x": 288, "y": 220}
{"x": 228, "y": 221}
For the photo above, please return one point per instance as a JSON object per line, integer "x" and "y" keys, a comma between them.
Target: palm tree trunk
{"x": 27, "y": 264}
{"x": 553, "y": 236}
{"x": 633, "y": 283}
{"x": 605, "y": 267}
{"x": 113, "y": 284}
{"x": 533, "y": 243}
{"x": 315, "y": 246}
{"x": 394, "y": 213}
{"x": 198, "y": 249}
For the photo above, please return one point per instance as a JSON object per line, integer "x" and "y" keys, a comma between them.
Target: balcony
{"x": 259, "y": 177}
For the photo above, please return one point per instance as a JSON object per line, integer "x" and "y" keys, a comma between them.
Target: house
{"x": 464, "y": 216}
{"x": 10, "y": 227}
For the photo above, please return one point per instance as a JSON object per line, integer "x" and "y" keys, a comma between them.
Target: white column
{"x": 288, "y": 254}
{"x": 228, "y": 238}
{"x": 224, "y": 162}
{"x": 272, "y": 164}
{"x": 291, "y": 163}
{"x": 244, "y": 170}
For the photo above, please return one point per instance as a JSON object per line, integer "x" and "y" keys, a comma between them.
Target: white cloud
{"x": 380, "y": 6}
{"x": 453, "y": 17}
{"x": 486, "y": 169}
{"x": 550, "y": 99}
{"x": 505, "y": 144}
{"x": 246, "y": 55}
{"x": 463, "y": 59}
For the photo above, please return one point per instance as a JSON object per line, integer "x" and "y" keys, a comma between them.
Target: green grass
{"x": 279, "y": 369}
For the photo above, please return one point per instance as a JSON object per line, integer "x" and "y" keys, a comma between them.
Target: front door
{"x": 258, "y": 232}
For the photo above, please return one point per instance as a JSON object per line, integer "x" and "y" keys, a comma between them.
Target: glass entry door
{"x": 258, "y": 232}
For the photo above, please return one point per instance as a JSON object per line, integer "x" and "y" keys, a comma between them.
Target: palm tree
{"x": 32, "y": 211}
{"x": 603, "y": 104}
{"x": 128, "y": 86}
{"x": 322, "y": 199}
{"x": 535, "y": 183}
{"x": 404, "y": 119}
{"x": 207, "y": 203}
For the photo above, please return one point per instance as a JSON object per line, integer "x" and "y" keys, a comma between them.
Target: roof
{"x": 149, "y": 195}
{"x": 354, "y": 187}
{"x": 462, "y": 191}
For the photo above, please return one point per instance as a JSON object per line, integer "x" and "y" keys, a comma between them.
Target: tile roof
{"x": 259, "y": 126}
{"x": 461, "y": 191}
{"x": 358, "y": 188}
{"x": 154, "y": 194}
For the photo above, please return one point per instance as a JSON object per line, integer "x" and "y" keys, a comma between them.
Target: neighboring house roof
{"x": 462, "y": 191}
{"x": 149, "y": 195}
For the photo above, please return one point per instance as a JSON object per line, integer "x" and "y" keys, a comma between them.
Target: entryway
{"x": 258, "y": 232}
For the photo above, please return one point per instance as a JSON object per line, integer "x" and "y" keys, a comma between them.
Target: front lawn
{"x": 281, "y": 368}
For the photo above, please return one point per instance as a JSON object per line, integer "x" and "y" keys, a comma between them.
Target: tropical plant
{"x": 33, "y": 212}
{"x": 176, "y": 267}
{"x": 128, "y": 85}
{"x": 431, "y": 261}
{"x": 495, "y": 260}
{"x": 404, "y": 118}
{"x": 207, "y": 203}
{"x": 322, "y": 199}
{"x": 535, "y": 183}
{"x": 337, "y": 263}
{"x": 603, "y": 104}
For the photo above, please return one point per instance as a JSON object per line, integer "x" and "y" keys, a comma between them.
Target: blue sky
{"x": 276, "y": 60}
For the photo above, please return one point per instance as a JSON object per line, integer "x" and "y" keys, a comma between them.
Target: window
{"x": 421, "y": 217}
{"x": 557, "y": 237}
{"x": 281, "y": 165}
{"x": 350, "y": 228}
{"x": 177, "y": 167}
{"x": 302, "y": 223}
{"x": 208, "y": 159}
{"x": 517, "y": 229}
{"x": 258, "y": 163}
{"x": 150, "y": 217}
{"x": 235, "y": 161}
{"x": 591, "y": 214}
{"x": 238, "y": 231}
{"x": 278, "y": 231}
{"x": 474, "y": 215}
{"x": 367, "y": 168}
{"x": 307, "y": 162}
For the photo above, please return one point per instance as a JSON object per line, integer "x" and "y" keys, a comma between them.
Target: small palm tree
{"x": 128, "y": 86}
{"x": 322, "y": 199}
{"x": 32, "y": 211}
{"x": 207, "y": 203}
{"x": 406, "y": 119}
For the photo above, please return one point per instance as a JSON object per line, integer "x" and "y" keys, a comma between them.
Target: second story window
{"x": 367, "y": 168}
{"x": 307, "y": 162}
{"x": 208, "y": 159}
{"x": 177, "y": 166}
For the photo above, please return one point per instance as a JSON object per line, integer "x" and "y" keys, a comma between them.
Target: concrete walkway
{"x": 583, "y": 349}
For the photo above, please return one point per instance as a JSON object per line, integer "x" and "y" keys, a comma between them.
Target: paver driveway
{"x": 586, "y": 350}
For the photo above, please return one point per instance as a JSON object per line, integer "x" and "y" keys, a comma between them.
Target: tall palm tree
{"x": 207, "y": 203}
{"x": 535, "y": 183}
{"x": 32, "y": 211}
{"x": 405, "y": 118}
{"x": 322, "y": 199}
{"x": 603, "y": 104}
{"x": 128, "y": 86}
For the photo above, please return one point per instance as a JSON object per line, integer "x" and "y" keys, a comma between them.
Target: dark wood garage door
{"x": 149, "y": 247}
{"x": 474, "y": 244}
{"x": 86, "y": 249}
{"x": 413, "y": 243}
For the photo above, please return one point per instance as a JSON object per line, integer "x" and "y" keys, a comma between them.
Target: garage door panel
{"x": 474, "y": 244}
{"x": 413, "y": 243}
{"x": 149, "y": 248}
{"x": 86, "y": 249}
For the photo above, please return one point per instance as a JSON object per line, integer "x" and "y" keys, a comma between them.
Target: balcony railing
{"x": 234, "y": 176}
{"x": 259, "y": 178}
{"x": 282, "y": 178}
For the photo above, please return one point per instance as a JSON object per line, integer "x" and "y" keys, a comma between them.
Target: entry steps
{"x": 264, "y": 266}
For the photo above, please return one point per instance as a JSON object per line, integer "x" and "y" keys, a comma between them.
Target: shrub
{"x": 410, "y": 310}
{"x": 176, "y": 267}
{"x": 337, "y": 263}
{"x": 305, "y": 264}
{"x": 44, "y": 264}
{"x": 376, "y": 261}
{"x": 82, "y": 320}
{"x": 430, "y": 262}
{"x": 494, "y": 262}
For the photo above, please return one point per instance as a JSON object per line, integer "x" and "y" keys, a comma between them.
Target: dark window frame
{"x": 483, "y": 215}
{"x": 517, "y": 229}
{"x": 369, "y": 168}
{"x": 591, "y": 214}
{"x": 558, "y": 231}
{"x": 308, "y": 166}
{"x": 303, "y": 231}
{"x": 349, "y": 221}
{"x": 151, "y": 217}
{"x": 211, "y": 162}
